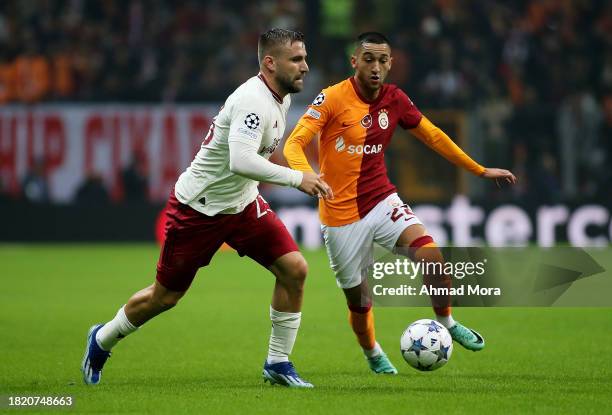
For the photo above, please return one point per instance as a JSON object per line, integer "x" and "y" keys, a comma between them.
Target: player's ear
{"x": 354, "y": 61}
{"x": 390, "y": 61}
{"x": 268, "y": 63}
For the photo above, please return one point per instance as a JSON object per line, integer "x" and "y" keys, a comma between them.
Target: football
{"x": 426, "y": 345}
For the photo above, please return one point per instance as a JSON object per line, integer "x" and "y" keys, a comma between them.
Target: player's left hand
{"x": 328, "y": 193}
{"x": 499, "y": 174}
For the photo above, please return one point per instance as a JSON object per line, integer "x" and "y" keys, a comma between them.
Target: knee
{"x": 422, "y": 250}
{"x": 300, "y": 270}
{"x": 295, "y": 273}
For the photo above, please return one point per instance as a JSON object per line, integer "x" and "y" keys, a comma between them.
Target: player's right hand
{"x": 314, "y": 185}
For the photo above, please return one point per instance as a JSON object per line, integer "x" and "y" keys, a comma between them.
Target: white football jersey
{"x": 254, "y": 115}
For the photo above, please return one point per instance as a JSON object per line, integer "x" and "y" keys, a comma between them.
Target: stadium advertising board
{"x": 76, "y": 141}
{"x": 465, "y": 224}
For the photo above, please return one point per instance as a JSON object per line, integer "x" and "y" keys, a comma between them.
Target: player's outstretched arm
{"x": 295, "y": 146}
{"x": 244, "y": 161}
{"x": 441, "y": 143}
{"x": 437, "y": 140}
{"x": 294, "y": 151}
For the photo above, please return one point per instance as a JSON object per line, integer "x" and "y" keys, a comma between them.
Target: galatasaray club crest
{"x": 366, "y": 121}
{"x": 383, "y": 119}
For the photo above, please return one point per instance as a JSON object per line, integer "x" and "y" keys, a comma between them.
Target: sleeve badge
{"x": 319, "y": 99}
{"x": 252, "y": 121}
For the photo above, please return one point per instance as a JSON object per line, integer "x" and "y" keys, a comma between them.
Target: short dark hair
{"x": 372, "y": 37}
{"x": 276, "y": 37}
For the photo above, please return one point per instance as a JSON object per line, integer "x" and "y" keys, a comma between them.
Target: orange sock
{"x": 441, "y": 304}
{"x": 442, "y": 311}
{"x": 362, "y": 322}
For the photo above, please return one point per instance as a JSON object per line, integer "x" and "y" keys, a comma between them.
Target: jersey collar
{"x": 383, "y": 91}
{"x": 274, "y": 94}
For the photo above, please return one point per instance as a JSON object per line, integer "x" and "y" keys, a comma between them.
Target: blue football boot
{"x": 94, "y": 358}
{"x": 283, "y": 373}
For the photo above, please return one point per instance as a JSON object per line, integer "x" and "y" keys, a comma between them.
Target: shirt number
{"x": 262, "y": 207}
{"x": 209, "y": 136}
{"x": 401, "y": 212}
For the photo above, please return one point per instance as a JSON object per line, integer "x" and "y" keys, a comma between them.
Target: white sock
{"x": 377, "y": 350}
{"x": 115, "y": 330}
{"x": 446, "y": 321}
{"x": 284, "y": 331}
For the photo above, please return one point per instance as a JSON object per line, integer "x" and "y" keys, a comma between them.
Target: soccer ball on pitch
{"x": 426, "y": 345}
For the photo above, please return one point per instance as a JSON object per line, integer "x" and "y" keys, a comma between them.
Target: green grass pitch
{"x": 205, "y": 356}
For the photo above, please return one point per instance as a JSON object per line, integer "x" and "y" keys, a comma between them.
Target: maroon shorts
{"x": 192, "y": 239}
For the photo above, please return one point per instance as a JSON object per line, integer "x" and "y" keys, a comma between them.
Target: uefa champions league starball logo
{"x": 252, "y": 121}
{"x": 319, "y": 99}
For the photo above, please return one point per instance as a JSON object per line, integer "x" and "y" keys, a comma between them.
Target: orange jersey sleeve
{"x": 438, "y": 141}
{"x": 294, "y": 149}
{"x": 321, "y": 111}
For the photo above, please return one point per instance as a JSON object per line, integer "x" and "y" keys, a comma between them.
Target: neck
{"x": 272, "y": 84}
{"x": 369, "y": 94}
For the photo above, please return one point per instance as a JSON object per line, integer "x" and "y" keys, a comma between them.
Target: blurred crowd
{"x": 113, "y": 50}
{"x": 536, "y": 74}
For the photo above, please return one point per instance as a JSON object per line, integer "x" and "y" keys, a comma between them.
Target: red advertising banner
{"x": 76, "y": 141}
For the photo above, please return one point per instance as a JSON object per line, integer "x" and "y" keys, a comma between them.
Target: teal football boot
{"x": 381, "y": 364}
{"x": 468, "y": 338}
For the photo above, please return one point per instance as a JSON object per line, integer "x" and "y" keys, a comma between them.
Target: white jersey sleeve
{"x": 245, "y": 136}
{"x": 245, "y": 161}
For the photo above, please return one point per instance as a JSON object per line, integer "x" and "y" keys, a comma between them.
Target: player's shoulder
{"x": 340, "y": 87}
{"x": 393, "y": 91}
{"x": 398, "y": 101}
{"x": 395, "y": 95}
{"x": 250, "y": 92}
{"x": 249, "y": 98}
{"x": 333, "y": 93}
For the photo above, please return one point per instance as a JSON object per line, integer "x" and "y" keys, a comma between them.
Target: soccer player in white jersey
{"x": 216, "y": 200}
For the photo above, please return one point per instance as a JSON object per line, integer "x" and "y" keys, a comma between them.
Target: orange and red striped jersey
{"x": 354, "y": 134}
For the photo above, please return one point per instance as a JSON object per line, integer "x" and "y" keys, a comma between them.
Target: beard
{"x": 287, "y": 83}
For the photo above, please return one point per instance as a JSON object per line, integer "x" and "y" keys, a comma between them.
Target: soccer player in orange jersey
{"x": 356, "y": 119}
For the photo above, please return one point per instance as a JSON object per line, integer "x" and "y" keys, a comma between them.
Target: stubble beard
{"x": 288, "y": 85}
